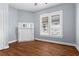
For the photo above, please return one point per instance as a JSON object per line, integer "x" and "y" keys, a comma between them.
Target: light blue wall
{"x": 77, "y": 24}
{"x": 16, "y": 16}
{"x": 68, "y": 26}
{"x": 13, "y": 21}
{"x": 12, "y": 16}
{"x": 4, "y": 25}
{"x": 25, "y": 16}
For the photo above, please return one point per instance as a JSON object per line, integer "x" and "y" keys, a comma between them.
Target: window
{"x": 52, "y": 24}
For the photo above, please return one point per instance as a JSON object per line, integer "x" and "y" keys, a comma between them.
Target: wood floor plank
{"x": 39, "y": 48}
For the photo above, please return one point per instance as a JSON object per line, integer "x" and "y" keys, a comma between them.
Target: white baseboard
{"x": 25, "y": 40}
{"x": 12, "y": 41}
{"x": 20, "y": 41}
{"x": 77, "y": 47}
{"x": 4, "y": 48}
{"x": 63, "y": 43}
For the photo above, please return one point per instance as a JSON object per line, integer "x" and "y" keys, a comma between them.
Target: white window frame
{"x": 44, "y": 15}
{"x": 49, "y": 23}
{"x": 60, "y": 25}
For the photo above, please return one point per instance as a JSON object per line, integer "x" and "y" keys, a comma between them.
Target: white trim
{"x": 41, "y": 32}
{"x": 49, "y": 33}
{"x": 12, "y": 41}
{"x": 60, "y": 26}
{"x": 64, "y": 43}
{"x": 77, "y": 47}
{"x": 4, "y": 48}
{"x": 26, "y": 40}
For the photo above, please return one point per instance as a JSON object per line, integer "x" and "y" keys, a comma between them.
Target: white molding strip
{"x": 77, "y": 47}
{"x": 63, "y": 43}
{"x": 12, "y": 41}
{"x": 26, "y": 40}
{"x": 6, "y": 47}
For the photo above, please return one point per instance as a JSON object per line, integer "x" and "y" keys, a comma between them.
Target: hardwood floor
{"x": 39, "y": 48}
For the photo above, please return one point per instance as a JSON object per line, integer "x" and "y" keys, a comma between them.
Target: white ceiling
{"x": 31, "y": 6}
